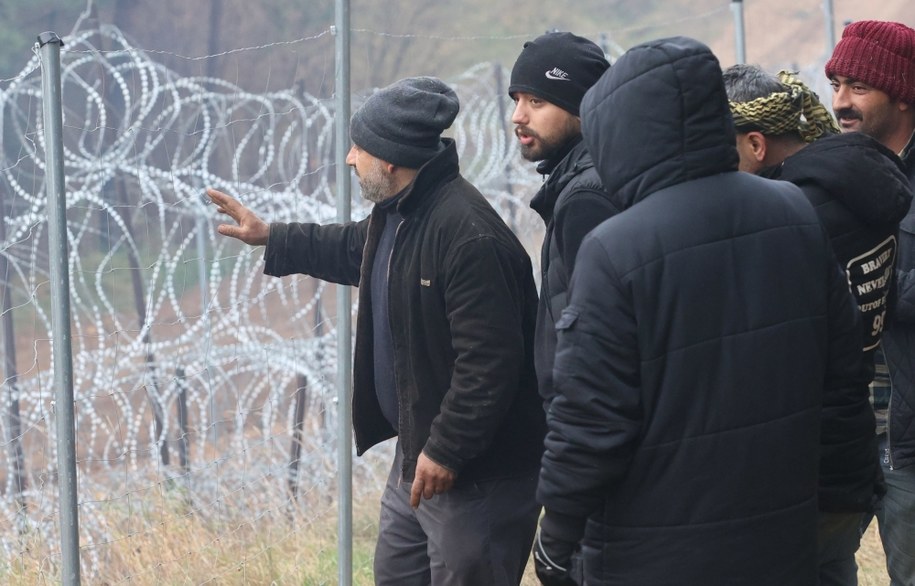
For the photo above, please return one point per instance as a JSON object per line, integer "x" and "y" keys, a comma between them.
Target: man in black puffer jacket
{"x": 708, "y": 322}
{"x": 860, "y": 194}
{"x": 548, "y": 81}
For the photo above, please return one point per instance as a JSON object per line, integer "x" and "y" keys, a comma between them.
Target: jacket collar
{"x": 439, "y": 170}
{"x": 549, "y": 166}
{"x": 908, "y": 154}
{"x": 575, "y": 159}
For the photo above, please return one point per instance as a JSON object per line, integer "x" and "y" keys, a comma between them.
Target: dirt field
{"x": 871, "y": 561}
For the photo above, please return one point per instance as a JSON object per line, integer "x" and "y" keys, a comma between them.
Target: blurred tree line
{"x": 395, "y": 38}
{"x": 390, "y": 39}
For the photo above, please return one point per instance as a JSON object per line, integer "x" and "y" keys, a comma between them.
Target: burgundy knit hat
{"x": 879, "y": 53}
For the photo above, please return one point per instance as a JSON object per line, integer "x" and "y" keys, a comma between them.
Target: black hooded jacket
{"x": 707, "y": 322}
{"x": 899, "y": 339}
{"x": 571, "y": 202}
{"x": 860, "y": 194}
{"x": 462, "y": 309}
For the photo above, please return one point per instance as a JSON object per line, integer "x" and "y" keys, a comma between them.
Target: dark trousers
{"x": 895, "y": 514}
{"x": 838, "y": 538}
{"x": 473, "y": 535}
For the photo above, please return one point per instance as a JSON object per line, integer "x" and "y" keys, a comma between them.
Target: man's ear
{"x": 757, "y": 142}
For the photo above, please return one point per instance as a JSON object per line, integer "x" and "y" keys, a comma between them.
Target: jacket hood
{"x": 659, "y": 117}
{"x": 857, "y": 170}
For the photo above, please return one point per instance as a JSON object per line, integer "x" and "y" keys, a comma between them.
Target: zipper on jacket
{"x": 400, "y": 437}
{"x": 545, "y": 288}
{"x": 888, "y": 454}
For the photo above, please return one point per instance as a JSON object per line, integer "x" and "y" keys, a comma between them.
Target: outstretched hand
{"x": 250, "y": 229}
{"x": 431, "y": 478}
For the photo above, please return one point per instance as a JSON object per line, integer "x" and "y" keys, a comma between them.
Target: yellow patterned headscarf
{"x": 797, "y": 109}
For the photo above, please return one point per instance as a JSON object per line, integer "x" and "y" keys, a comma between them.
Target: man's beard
{"x": 377, "y": 186}
{"x": 546, "y": 149}
{"x": 539, "y": 150}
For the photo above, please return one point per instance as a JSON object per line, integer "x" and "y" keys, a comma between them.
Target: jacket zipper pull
{"x": 886, "y": 455}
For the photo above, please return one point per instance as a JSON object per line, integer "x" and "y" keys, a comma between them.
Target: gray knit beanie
{"x": 403, "y": 122}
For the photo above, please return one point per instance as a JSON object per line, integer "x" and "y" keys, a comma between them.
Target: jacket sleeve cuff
{"x": 440, "y": 457}
{"x": 273, "y": 251}
{"x": 563, "y": 527}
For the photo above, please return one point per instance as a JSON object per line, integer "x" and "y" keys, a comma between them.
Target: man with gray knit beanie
{"x": 872, "y": 71}
{"x": 443, "y": 353}
{"x": 548, "y": 81}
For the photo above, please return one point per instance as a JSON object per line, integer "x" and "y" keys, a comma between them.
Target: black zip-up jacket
{"x": 708, "y": 323}
{"x": 571, "y": 202}
{"x": 462, "y": 310}
{"x": 899, "y": 339}
{"x": 858, "y": 189}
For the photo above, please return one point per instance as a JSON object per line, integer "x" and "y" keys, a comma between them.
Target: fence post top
{"x": 49, "y": 37}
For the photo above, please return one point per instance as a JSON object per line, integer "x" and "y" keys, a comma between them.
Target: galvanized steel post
{"x": 344, "y": 299}
{"x": 830, "y": 17}
{"x": 740, "y": 42}
{"x": 61, "y": 344}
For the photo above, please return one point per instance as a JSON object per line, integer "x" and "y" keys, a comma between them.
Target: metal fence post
{"x": 509, "y": 133}
{"x": 740, "y": 41}
{"x": 182, "y": 440}
{"x": 298, "y": 436}
{"x": 61, "y": 343}
{"x": 202, "y": 232}
{"x": 830, "y": 18}
{"x": 344, "y": 299}
{"x": 16, "y": 483}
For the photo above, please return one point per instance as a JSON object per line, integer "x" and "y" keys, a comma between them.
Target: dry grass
{"x": 171, "y": 547}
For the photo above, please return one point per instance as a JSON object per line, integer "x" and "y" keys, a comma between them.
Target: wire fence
{"x": 201, "y": 386}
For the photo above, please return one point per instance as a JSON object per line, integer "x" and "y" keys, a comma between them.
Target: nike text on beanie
{"x": 880, "y": 54}
{"x": 559, "y": 68}
{"x": 403, "y": 122}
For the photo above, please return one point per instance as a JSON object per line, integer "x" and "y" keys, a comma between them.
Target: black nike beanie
{"x": 559, "y": 68}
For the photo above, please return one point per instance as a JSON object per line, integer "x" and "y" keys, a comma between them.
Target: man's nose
{"x": 519, "y": 115}
{"x": 840, "y": 99}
